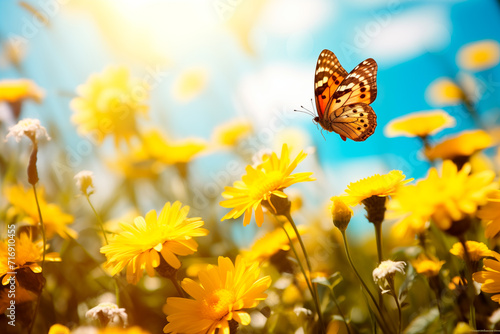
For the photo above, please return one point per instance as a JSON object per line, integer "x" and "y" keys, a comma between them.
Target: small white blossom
{"x": 388, "y": 268}
{"x": 29, "y": 127}
{"x": 84, "y": 181}
{"x": 108, "y": 313}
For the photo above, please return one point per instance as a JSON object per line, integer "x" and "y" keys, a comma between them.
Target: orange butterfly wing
{"x": 328, "y": 76}
{"x": 356, "y": 121}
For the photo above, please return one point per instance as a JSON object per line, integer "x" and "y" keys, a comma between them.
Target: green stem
{"x": 381, "y": 321}
{"x": 378, "y": 237}
{"x": 44, "y": 240}
{"x": 396, "y": 299}
{"x": 340, "y": 311}
{"x": 470, "y": 285}
{"x": 306, "y": 278}
{"x": 435, "y": 289}
{"x": 99, "y": 220}
{"x": 177, "y": 286}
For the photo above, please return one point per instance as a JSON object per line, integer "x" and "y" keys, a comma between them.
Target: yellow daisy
{"x": 232, "y": 132}
{"x": 462, "y": 145}
{"x": 28, "y": 254}
{"x": 271, "y": 243}
{"x": 260, "y": 183}
{"x": 59, "y": 329}
{"x": 427, "y": 266}
{"x": 490, "y": 277}
{"x": 108, "y": 103}
{"x": 419, "y": 124}
{"x": 142, "y": 243}
{"x": 224, "y": 294}
{"x": 490, "y": 213}
{"x": 376, "y": 185}
{"x": 444, "y": 92}
{"x": 24, "y": 203}
{"x": 476, "y": 250}
{"x": 445, "y": 198}
{"x": 479, "y": 56}
{"x": 135, "y": 163}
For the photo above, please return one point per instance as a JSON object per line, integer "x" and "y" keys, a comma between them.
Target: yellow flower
{"x": 479, "y": 56}
{"x": 142, "y": 243}
{"x": 224, "y": 294}
{"x": 135, "y": 163}
{"x": 119, "y": 330}
{"x": 232, "y": 132}
{"x": 272, "y": 243}
{"x": 108, "y": 103}
{"x": 419, "y": 124}
{"x": 444, "y": 92}
{"x": 476, "y": 250}
{"x": 260, "y": 183}
{"x": 490, "y": 277}
{"x": 27, "y": 255}
{"x": 491, "y": 214}
{"x": 376, "y": 185}
{"x": 341, "y": 213}
{"x": 59, "y": 329}
{"x": 55, "y": 220}
{"x": 190, "y": 84}
{"x": 427, "y": 266}
{"x": 462, "y": 145}
{"x": 172, "y": 152}
{"x": 15, "y": 90}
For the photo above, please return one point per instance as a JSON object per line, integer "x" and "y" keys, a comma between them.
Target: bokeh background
{"x": 210, "y": 62}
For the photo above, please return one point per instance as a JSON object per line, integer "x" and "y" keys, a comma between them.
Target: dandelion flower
{"x": 84, "y": 181}
{"x": 108, "y": 103}
{"x": 476, "y": 250}
{"x": 231, "y": 133}
{"x": 490, "y": 277}
{"x": 28, "y": 127}
{"x": 419, "y": 124}
{"x": 490, "y": 213}
{"x": 444, "y": 92}
{"x": 445, "y": 198}
{"x": 28, "y": 254}
{"x": 341, "y": 212}
{"x": 224, "y": 294}
{"x": 260, "y": 183}
{"x": 427, "y": 266}
{"x": 54, "y": 219}
{"x": 142, "y": 243}
{"x": 106, "y": 313}
{"x": 479, "y": 56}
{"x": 462, "y": 145}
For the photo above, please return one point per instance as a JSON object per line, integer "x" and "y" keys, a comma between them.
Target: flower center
{"x": 218, "y": 304}
{"x": 263, "y": 186}
{"x": 481, "y": 56}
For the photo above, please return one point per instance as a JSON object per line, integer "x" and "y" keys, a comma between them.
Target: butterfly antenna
{"x": 323, "y": 134}
{"x": 305, "y": 111}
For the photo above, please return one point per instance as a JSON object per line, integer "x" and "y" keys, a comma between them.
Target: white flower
{"x": 84, "y": 181}
{"x": 108, "y": 312}
{"x": 388, "y": 269}
{"x": 29, "y": 127}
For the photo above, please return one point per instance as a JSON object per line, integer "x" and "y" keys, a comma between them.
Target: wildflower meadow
{"x": 230, "y": 166}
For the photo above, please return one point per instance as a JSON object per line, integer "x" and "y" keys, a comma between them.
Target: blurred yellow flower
{"x": 419, "y": 124}
{"x": 479, "y": 56}
{"x": 341, "y": 212}
{"x": 135, "y": 163}
{"x": 490, "y": 277}
{"x": 15, "y": 90}
{"x": 27, "y": 255}
{"x": 59, "y": 329}
{"x": 119, "y": 330}
{"x": 490, "y": 213}
{"x": 376, "y": 185}
{"x": 271, "y": 243}
{"x": 427, "y": 266}
{"x": 24, "y": 203}
{"x": 108, "y": 103}
{"x": 296, "y": 139}
{"x": 190, "y": 84}
{"x": 444, "y": 199}
{"x": 260, "y": 183}
{"x": 444, "y": 92}
{"x": 224, "y": 294}
{"x": 476, "y": 250}
{"x": 141, "y": 243}
{"x": 462, "y": 145}
{"x": 232, "y": 132}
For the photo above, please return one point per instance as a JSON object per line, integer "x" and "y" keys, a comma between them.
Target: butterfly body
{"x": 342, "y": 99}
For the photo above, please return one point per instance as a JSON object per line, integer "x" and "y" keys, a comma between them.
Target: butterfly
{"x": 342, "y": 99}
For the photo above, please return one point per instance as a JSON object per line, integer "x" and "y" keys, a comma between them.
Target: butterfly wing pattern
{"x": 342, "y": 99}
